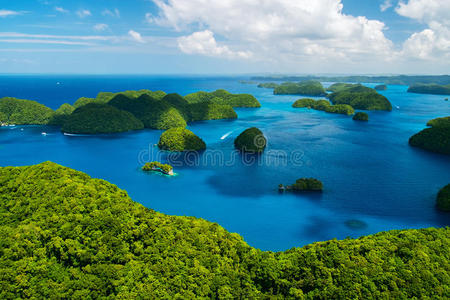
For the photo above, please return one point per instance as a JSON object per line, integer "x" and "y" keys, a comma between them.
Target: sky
{"x": 225, "y": 36}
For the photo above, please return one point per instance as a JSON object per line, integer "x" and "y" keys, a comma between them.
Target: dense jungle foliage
{"x": 324, "y": 105}
{"x": 361, "y": 97}
{"x": 15, "y": 111}
{"x": 180, "y": 139}
{"x": 96, "y": 118}
{"x": 435, "y": 89}
{"x": 251, "y": 140}
{"x": 307, "y": 88}
{"x": 436, "y": 138}
{"x": 66, "y": 235}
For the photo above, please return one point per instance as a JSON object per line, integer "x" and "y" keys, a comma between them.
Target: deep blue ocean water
{"x": 369, "y": 171}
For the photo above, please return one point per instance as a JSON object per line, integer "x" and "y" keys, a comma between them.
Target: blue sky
{"x": 225, "y": 36}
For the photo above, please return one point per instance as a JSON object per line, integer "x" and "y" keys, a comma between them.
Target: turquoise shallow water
{"x": 369, "y": 172}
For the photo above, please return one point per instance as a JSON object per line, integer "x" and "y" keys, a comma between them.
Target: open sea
{"x": 373, "y": 180}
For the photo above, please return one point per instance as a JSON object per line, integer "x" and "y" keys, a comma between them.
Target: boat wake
{"x": 226, "y": 135}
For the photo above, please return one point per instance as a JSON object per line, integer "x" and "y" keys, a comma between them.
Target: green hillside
{"x": 66, "y": 235}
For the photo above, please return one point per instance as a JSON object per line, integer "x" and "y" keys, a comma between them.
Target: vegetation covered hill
{"x": 61, "y": 114}
{"x": 66, "y": 235}
{"x": 155, "y": 114}
{"x": 436, "y": 138}
{"x": 180, "y": 139}
{"x": 307, "y": 88}
{"x": 361, "y": 116}
{"x": 211, "y": 111}
{"x": 23, "y": 112}
{"x": 361, "y": 97}
{"x": 251, "y": 140}
{"x": 96, "y": 118}
{"x": 224, "y": 97}
{"x": 324, "y": 105}
{"x": 443, "y": 198}
{"x": 435, "y": 89}
{"x": 381, "y": 87}
{"x": 401, "y": 79}
{"x": 340, "y": 86}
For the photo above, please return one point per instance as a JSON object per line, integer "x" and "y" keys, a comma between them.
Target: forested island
{"x": 251, "y": 140}
{"x": 94, "y": 118}
{"x": 303, "y": 185}
{"x": 223, "y": 97}
{"x": 158, "y": 167}
{"x": 324, "y": 105}
{"x": 399, "y": 79}
{"x": 435, "y": 89}
{"x": 436, "y": 138}
{"x": 15, "y": 111}
{"x": 306, "y": 88}
{"x": 361, "y": 116}
{"x": 66, "y": 235}
{"x": 381, "y": 87}
{"x": 443, "y": 199}
{"x": 359, "y": 97}
{"x": 180, "y": 139}
{"x": 128, "y": 110}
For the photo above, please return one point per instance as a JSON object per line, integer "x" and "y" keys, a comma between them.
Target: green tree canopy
{"x": 66, "y": 235}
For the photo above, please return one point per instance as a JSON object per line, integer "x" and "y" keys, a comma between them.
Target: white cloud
{"x": 101, "y": 27}
{"x": 61, "y": 9}
{"x": 136, "y": 36}
{"x": 432, "y": 43}
{"x": 37, "y": 41}
{"x": 386, "y": 5}
{"x": 6, "y": 13}
{"x": 82, "y": 13}
{"x": 203, "y": 42}
{"x": 275, "y": 30}
{"x": 113, "y": 13}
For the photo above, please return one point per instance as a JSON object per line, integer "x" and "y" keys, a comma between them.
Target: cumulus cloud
{"x": 101, "y": 27}
{"x": 432, "y": 43}
{"x": 386, "y": 5}
{"x": 136, "y": 36}
{"x": 273, "y": 30}
{"x": 61, "y": 9}
{"x": 111, "y": 13}
{"x": 203, "y": 42}
{"x": 82, "y": 13}
{"x": 6, "y": 13}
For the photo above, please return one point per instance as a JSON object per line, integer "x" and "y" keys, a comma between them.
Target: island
{"x": 158, "y": 167}
{"x": 303, "y": 185}
{"x": 180, "y": 139}
{"x": 443, "y": 199}
{"x": 307, "y": 88}
{"x": 96, "y": 118}
{"x": 436, "y": 138}
{"x": 340, "y": 86}
{"x": 154, "y": 114}
{"x": 360, "y": 97}
{"x": 381, "y": 87}
{"x": 72, "y": 236}
{"x": 61, "y": 114}
{"x": 268, "y": 85}
{"x": 15, "y": 111}
{"x": 224, "y": 97}
{"x": 435, "y": 89}
{"x": 251, "y": 140}
{"x": 361, "y": 116}
{"x": 324, "y": 105}
{"x": 400, "y": 79}
{"x": 152, "y": 109}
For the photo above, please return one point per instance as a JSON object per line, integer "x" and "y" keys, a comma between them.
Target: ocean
{"x": 373, "y": 180}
